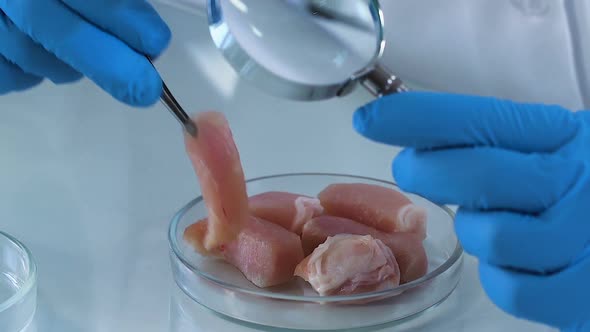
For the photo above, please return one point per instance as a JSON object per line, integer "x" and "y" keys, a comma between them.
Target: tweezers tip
{"x": 191, "y": 128}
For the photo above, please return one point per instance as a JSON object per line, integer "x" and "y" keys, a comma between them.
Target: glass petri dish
{"x": 18, "y": 285}
{"x": 221, "y": 288}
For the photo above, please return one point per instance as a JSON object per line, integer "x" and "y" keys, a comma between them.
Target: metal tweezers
{"x": 174, "y": 107}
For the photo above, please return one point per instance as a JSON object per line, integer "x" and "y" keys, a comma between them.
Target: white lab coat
{"x": 525, "y": 50}
{"x": 528, "y": 50}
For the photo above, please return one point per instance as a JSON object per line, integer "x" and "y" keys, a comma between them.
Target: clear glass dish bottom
{"x": 220, "y": 287}
{"x": 18, "y": 285}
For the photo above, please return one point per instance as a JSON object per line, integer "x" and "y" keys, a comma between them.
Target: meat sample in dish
{"x": 406, "y": 247}
{"x": 289, "y": 210}
{"x": 265, "y": 253}
{"x": 383, "y": 208}
{"x": 349, "y": 264}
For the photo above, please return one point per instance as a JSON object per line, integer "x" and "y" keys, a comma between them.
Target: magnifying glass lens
{"x": 316, "y": 43}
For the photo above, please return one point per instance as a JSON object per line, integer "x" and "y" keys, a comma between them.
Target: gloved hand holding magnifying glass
{"x": 519, "y": 172}
{"x": 520, "y": 175}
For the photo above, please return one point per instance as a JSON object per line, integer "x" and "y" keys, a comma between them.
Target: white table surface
{"x": 89, "y": 185}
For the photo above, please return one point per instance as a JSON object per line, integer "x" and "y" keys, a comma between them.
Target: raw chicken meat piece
{"x": 195, "y": 236}
{"x": 383, "y": 208}
{"x": 350, "y": 264}
{"x": 289, "y": 210}
{"x": 407, "y": 248}
{"x": 265, "y": 253}
{"x": 216, "y": 161}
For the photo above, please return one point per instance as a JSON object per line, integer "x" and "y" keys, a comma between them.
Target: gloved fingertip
{"x": 402, "y": 170}
{"x": 14, "y": 79}
{"x": 156, "y": 42}
{"x": 361, "y": 119}
{"x": 365, "y": 118}
{"x": 461, "y": 230}
{"x": 23, "y": 84}
{"x": 377, "y": 120}
{"x": 66, "y": 78}
{"x": 145, "y": 90}
{"x": 476, "y": 238}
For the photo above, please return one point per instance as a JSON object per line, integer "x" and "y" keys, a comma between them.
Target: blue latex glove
{"x": 520, "y": 175}
{"x": 63, "y": 40}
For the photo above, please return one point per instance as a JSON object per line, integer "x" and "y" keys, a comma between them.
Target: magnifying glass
{"x": 304, "y": 49}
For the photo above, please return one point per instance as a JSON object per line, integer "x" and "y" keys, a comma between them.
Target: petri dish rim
{"x": 28, "y": 285}
{"x": 174, "y": 246}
